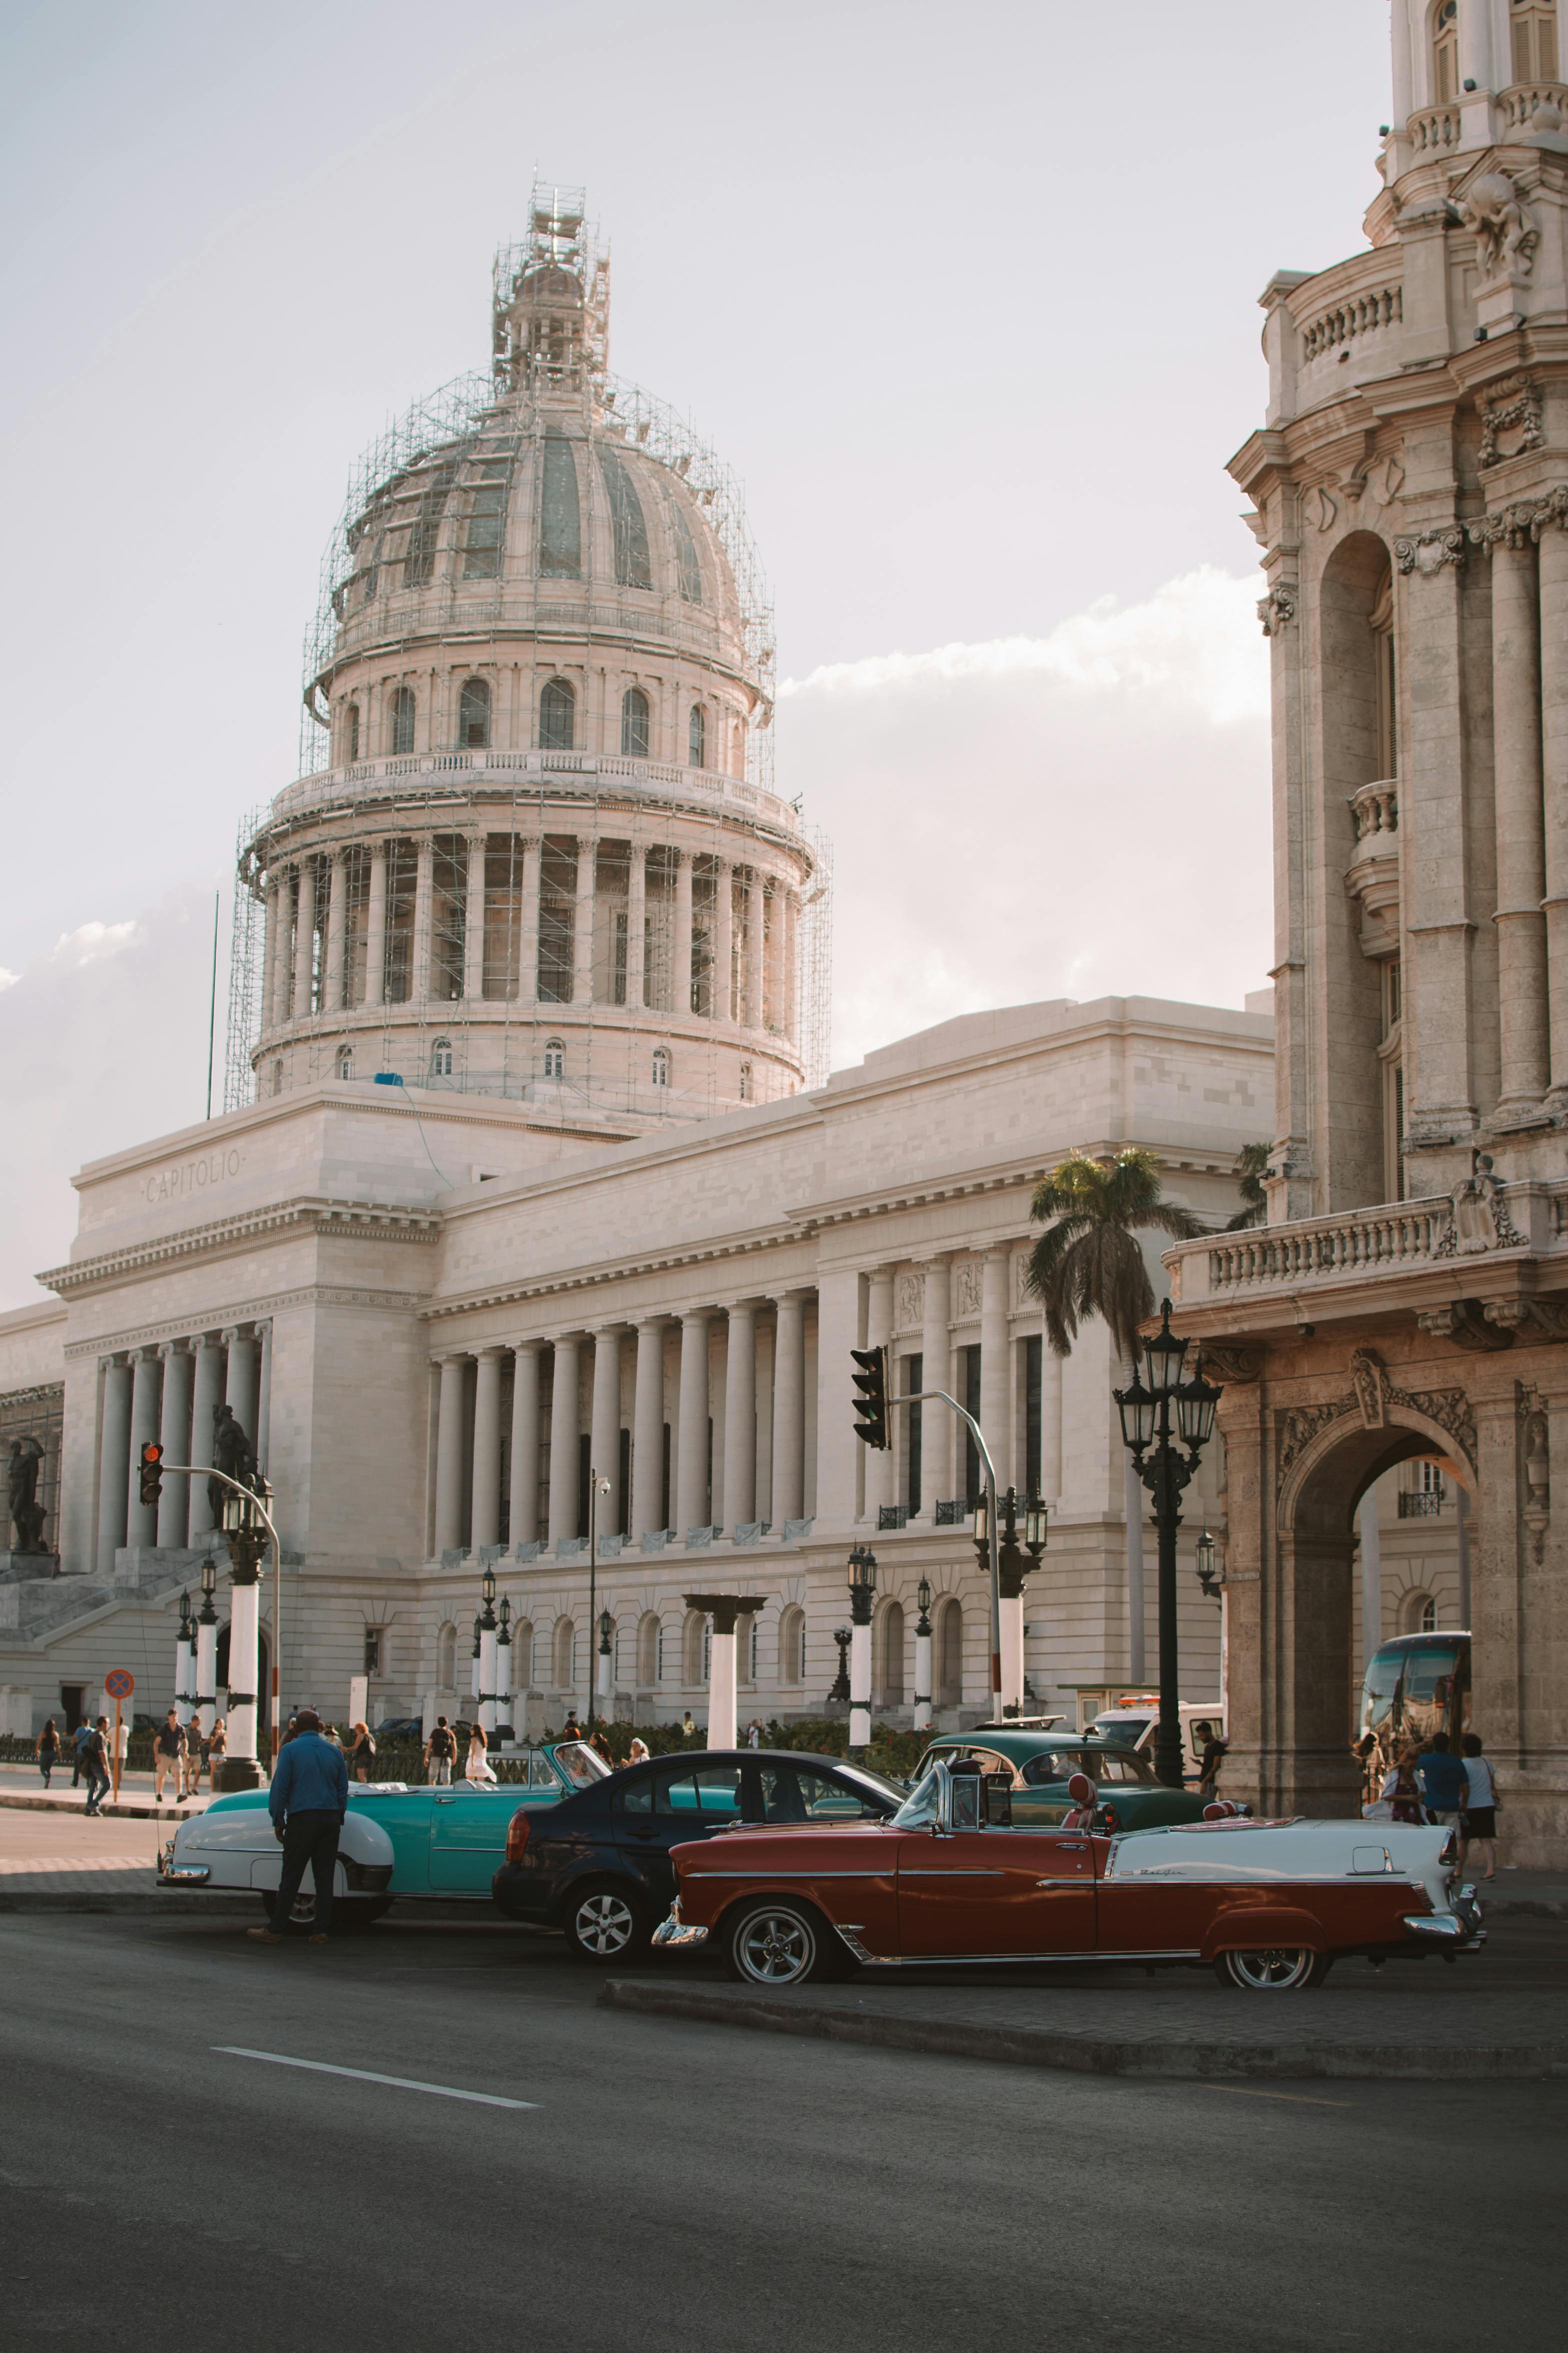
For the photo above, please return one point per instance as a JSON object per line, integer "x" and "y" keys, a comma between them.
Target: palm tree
{"x": 1248, "y": 1173}
{"x": 1090, "y": 1262}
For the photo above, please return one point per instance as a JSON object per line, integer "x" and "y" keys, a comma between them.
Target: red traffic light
{"x": 152, "y": 1471}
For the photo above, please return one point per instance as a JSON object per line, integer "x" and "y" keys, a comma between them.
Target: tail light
{"x": 517, "y": 1831}
{"x": 1111, "y": 1819}
{"x": 1449, "y": 1851}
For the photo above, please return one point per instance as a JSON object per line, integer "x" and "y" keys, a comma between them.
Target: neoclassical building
{"x": 1409, "y": 1299}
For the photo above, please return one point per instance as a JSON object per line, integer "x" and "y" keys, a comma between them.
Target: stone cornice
{"x": 243, "y": 1311}
{"x": 380, "y": 1221}
{"x": 617, "y": 1270}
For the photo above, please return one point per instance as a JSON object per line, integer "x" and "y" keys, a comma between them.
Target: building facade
{"x": 1409, "y": 1297}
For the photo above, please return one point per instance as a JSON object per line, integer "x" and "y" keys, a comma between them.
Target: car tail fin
{"x": 517, "y": 1834}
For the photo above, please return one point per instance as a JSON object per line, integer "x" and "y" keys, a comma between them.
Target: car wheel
{"x": 353, "y": 1914}
{"x": 781, "y": 1943}
{"x": 606, "y": 1924}
{"x": 1285, "y": 1968}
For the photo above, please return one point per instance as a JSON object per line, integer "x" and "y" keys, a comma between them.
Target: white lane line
{"x": 367, "y": 2075}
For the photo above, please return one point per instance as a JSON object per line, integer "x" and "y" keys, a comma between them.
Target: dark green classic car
{"x": 1042, "y": 1762}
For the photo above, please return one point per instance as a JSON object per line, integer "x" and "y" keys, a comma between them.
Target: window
{"x": 487, "y": 524}
{"x": 1033, "y": 1394}
{"x": 474, "y": 714}
{"x": 373, "y": 1653}
{"x": 345, "y": 1062}
{"x": 696, "y": 736}
{"x": 792, "y": 1645}
{"x": 626, "y": 524}
{"x": 566, "y": 1655}
{"x": 560, "y": 522}
{"x": 685, "y": 566}
{"x": 892, "y": 1648}
{"x": 707, "y": 1789}
{"x": 634, "y": 723}
{"x": 554, "y": 1059}
{"x": 402, "y": 717}
{"x": 557, "y": 715}
{"x": 693, "y": 1648}
{"x": 441, "y": 1058}
{"x": 660, "y": 1067}
{"x": 647, "y": 1648}
{"x": 419, "y": 554}
{"x": 1446, "y": 52}
{"x": 914, "y": 1430}
{"x": 746, "y": 1083}
{"x": 447, "y": 1658}
{"x": 1428, "y": 1616}
{"x": 1417, "y": 1615}
{"x": 350, "y": 732}
{"x": 948, "y": 1648}
{"x": 1534, "y": 29}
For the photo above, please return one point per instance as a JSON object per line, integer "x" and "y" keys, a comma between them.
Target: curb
{"x": 1026, "y": 2046}
{"x": 123, "y": 1901}
{"x": 129, "y": 1809}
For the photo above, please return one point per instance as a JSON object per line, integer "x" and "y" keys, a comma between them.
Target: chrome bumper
{"x": 673, "y": 1933}
{"x": 1461, "y": 1927}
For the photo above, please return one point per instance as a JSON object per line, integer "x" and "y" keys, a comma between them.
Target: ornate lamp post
{"x": 503, "y": 1674}
{"x": 206, "y": 1651}
{"x": 839, "y": 1687}
{"x": 922, "y": 1657}
{"x": 1011, "y": 1569}
{"x": 1208, "y": 1576}
{"x": 185, "y": 1662}
{"x": 245, "y": 1530}
{"x": 486, "y": 1622}
{"x": 862, "y": 1595}
{"x": 474, "y": 1668}
{"x": 1166, "y": 1423}
{"x": 607, "y": 1659}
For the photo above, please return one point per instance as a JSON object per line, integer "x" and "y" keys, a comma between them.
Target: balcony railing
{"x": 1419, "y": 1506}
{"x": 951, "y": 1515}
{"x": 892, "y": 1515}
{"x": 446, "y": 772}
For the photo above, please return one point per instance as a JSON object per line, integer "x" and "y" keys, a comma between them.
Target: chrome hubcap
{"x": 603, "y": 1924}
{"x": 1271, "y": 1972}
{"x": 776, "y": 1948}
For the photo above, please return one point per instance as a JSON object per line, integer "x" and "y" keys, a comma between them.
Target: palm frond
{"x": 1249, "y": 1172}
{"x": 1090, "y": 1262}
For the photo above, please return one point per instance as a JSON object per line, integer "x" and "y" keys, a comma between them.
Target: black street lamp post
{"x": 862, "y": 1596}
{"x": 1153, "y": 1413}
{"x": 839, "y": 1688}
{"x": 1011, "y": 1568}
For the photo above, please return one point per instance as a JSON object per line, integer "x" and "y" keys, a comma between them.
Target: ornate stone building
{"x": 1409, "y": 1297}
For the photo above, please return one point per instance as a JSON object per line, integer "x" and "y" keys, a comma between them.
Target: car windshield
{"x": 918, "y": 1809}
{"x": 870, "y": 1781}
{"x": 580, "y": 1763}
{"x": 1129, "y": 1729}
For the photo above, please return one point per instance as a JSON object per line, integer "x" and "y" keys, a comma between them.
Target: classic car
{"x": 436, "y": 1843}
{"x": 1040, "y": 1764}
{"x": 597, "y": 1867}
{"x": 954, "y": 1878}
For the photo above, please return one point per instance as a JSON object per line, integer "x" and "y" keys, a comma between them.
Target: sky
{"x": 967, "y": 300}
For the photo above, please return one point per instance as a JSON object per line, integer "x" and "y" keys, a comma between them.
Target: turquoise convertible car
{"x": 432, "y": 1843}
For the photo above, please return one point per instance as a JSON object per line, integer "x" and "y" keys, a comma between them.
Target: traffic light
{"x": 871, "y": 1405}
{"x": 152, "y": 1471}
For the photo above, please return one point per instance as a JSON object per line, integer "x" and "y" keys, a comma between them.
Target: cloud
{"x": 1077, "y": 815}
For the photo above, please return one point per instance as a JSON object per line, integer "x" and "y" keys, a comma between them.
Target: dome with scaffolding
{"x": 535, "y": 821}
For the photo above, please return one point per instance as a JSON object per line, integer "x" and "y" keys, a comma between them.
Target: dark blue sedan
{"x": 596, "y": 1866}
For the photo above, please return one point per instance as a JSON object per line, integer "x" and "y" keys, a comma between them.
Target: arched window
{"x": 792, "y": 1645}
{"x": 949, "y": 1649}
{"x": 891, "y": 1680}
{"x": 647, "y": 1648}
{"x": 626, "y": 524}
{"x": 1446, "y": 52}
{"x": 1535, "y": 26}
{"x": 696, "y": 737}
{"x": 566, "y": 1655}
{"x": 350, "y": 732}
{"x": 402, "y": 719}
{"x": 522, "y": 1654}
{"x": 345, "y": 1062}
{"x": 686, "y": 557}
{"x": 557, "y": 715}
{"x": 560, "y": 518}
{"x": 1418, "y": 1614}
{"x": 746, "y": 1083}
{"x": 693, "y": 1649}
{"x": 634, "y": 723}
{"x": 447, "y": 1658}
{"x": 441, "y": 1058}
{"x": 660, "y": 1067}
{"x": 474, "y": 714}
{"x": 554, "y": 1059}
{"x": 277, "y": 1078}
{"x": 486, "y": 523}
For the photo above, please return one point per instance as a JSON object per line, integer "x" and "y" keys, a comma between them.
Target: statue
{"x": 1477, "y": 1214}
{"x": 1506, "y": 236}
{"x": 26, "y": 1511}
{"x": 232, "y": 1453}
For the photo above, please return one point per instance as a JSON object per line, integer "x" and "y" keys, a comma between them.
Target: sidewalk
{"x": 23, "y": 1787}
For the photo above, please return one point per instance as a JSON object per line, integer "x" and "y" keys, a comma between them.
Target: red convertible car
{"x": 1270, "y": 1905}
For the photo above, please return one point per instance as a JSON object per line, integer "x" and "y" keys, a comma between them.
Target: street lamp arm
{"x": 238, "y": 1487}
{"x": 932, "y": 1397}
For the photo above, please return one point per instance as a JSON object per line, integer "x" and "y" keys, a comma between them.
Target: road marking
{"x": 1245, "y": 2092}
{"x": 367, "y": 2075}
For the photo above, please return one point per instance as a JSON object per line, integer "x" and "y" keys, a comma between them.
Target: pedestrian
{"x": 362, "y": 1752}
{"x": 46, "y": 1749}
{"x": 755, "y": 1733}
{"x": 168, "y": 1749}
{"x": 688, "y": 1728}
{"x": 80, "y": 1739}
{"x": 601, "y": 1748}
{"x": 217, "y": 1743}
{"x": 1402, "y": 1792}
{"x": 1212, "y": 1757}
{"x": 308, "y": 1799}
{"x": 95, "y": 1764}
{"x": 193, "y": 1760}
{"x": 571, "y": 1729}
{"x": 1369, "y": 1756}
{"x": 440, "y": 1751}
{"x": 478, "y": 1768}
{"x": 1440, "y": 1776}
{"x": 638, "y": 1754}
{"x": 1477, "y": 1822}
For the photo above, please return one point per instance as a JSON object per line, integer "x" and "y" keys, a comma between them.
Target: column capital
{"x": 660, "y": 1321}
{"x": 232, "y": 1334}
{"x": 747, "y": 1304}
{"x": 167, "y": 1348}
{"x": 526, "y": 1347}
{"x": 451, "y": 1356}
{"x": 491, "y": 1348}
{"x": 691, "y": 1317}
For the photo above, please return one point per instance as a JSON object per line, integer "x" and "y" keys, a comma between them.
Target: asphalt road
{"x": 691, "y": 2186}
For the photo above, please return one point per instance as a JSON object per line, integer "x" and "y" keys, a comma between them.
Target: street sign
{"x": 119, "y": 1682}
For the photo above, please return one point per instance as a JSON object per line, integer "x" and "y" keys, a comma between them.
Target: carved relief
{"x": 1277, "y": 608}
{"x": 1510, "y": 418}
{"x": 1300, "y": 1424}
{"x": 1538, "y": 1319}
{"x": 1385, "y": 480}
{"x": 1231, "y": 1366}
{"x": 967, "y": 1289}
{"x": 1328, "y": 508}
{"x": 1371, "y": 1399}
{"x": 1369, "y": 1381}
{"x": 1477, "y": 1214}
{"x": 1536, "y": 1462}
{"x": 1505, "y": 230}
{"x": 1430, "y": 551}
{"x": 911, "y": 1302}
{"x": 1462, "y": 1322}
{"x": 1522, "y": 522}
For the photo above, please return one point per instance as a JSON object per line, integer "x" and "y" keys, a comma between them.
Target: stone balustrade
{"x": 1376, "y": 810}
{"x": 397, "y": 777}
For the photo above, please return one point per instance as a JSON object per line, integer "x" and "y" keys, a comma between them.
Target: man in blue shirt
{"x": 308, "y": 1800}
{"x": 1440, "y": 1777}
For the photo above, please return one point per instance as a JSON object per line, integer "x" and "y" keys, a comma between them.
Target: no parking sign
{"x": 118, "y": 1684}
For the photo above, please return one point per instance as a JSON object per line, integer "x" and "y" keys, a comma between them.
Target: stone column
{"x": 375, "y": 928}
{"x": 604, "y": 1428}
{"x": 283, "y": 964}
{"x": 525, "y": 1443}
{"x": 1553, "y": 561}
{"x": 485, "y": 1518}
{"x": 882, "y": 1469}
{"x": 114, "y": 1464}
{"x": 305, "y": 944}
{"x": 564, "y": 1432}
{"x": 582, "y": 924}
{"x": 140, "y": 1519}
{"x": 1521, "y": 837}
{"x": 936, "y": 1421}
{"x": 692, "y": 1502}
{"x": 774, "y": 1006}
{"x": 995, "y": 1389}
{"x": 636, "y": 924}
{"x": 274, "y": 904}
{"x": 207, "y": 1396}
{"x": 789, "y": 1408}
{"x": 474, "y": 922}
{"x": 240, "y": 1770}
{"x": 723, "y": 942}
{"x": 264, "y": 1398}
{"x": 647, "y": 1428}
{"x": 239, "y": 1390}
{"x": 449, "y": 1456}
{"x": 337, "y": 930}
{"x": 528, "y": 928}
{"x": 424, "y": 919}
{"x": 740, "y": 1474}
{"x": 680, "y": 946}
{"x": 174, "y": 1432}
{"x": 723, "y": 1727}
{"x": 752, "y": 1016}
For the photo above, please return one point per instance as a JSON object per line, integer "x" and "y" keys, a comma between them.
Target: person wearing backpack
{"x": 440, "y": 1750}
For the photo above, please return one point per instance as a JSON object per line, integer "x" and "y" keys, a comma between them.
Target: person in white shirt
{"x": 1478, "y": 1822}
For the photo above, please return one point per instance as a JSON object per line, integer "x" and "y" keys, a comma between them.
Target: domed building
{"x": 533, "y": 852}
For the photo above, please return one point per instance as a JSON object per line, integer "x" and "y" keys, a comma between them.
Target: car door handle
{"x": 644, "y": 1835}
{"x": 446, "y": 1801}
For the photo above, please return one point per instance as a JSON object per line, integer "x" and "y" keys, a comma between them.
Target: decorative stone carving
{"x": 1328, "y": 510}
{"x": 911, "y": 1302}
{"x": 1523, "y": 521}
{"x": 1385, "y": 480}
{"x": 1233, "y": 1368}
{"x": 967, "y": 1289}
{"x": 1300, "y": 1424}
{"x": 1538, "y": 1319}
{"x": 1450, "y": 1408}
{"x": 1431, "y": 550}
{"x": 1510, "y": 418}
{"x": 1477, "y": 1214}
{"x": 1370, "y": 1383}
{"x": 1462, "y": 1322}
{"x": 1505, "y": 230}
{"x": 1371, "y": 1398}
{"x": 1277, "y": 608}
{"x": 1535, "y": 1461}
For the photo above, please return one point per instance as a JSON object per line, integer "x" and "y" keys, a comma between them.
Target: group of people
{"x": 1434, "y": 1784}
{"x": 183, "y": 1751}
